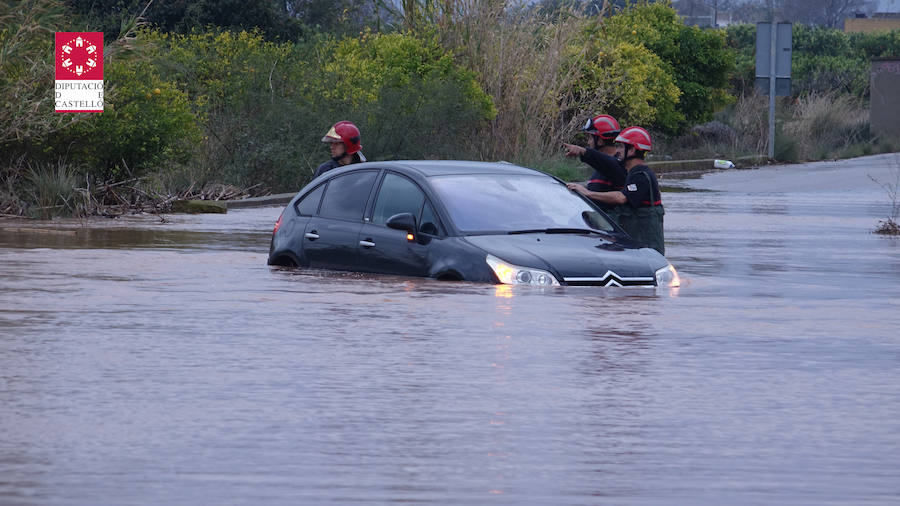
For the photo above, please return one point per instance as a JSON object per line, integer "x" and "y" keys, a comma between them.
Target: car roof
{"x": 430, "y": 168}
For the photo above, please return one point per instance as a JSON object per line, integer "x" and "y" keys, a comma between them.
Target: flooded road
{"x": 144, "y": 362}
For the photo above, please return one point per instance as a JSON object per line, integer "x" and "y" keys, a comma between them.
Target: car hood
{"x": 574, "y": 257}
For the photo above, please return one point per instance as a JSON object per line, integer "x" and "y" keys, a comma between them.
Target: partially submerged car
{"x": 460, "y": 220}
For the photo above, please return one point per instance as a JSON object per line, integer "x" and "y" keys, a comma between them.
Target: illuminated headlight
{"x": 667, "y": 276}
{"x": 510, "y": 274}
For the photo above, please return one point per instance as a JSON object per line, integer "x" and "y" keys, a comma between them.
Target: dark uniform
{"x": 331, "y": 164}
{"x": 325, "y": 167}
{"x": 642, "y": 216}
{"x": 609, "y": 175}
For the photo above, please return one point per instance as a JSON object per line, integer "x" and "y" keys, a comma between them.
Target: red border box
{"x": 79, "y": 49}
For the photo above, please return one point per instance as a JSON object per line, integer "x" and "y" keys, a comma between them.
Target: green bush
{"x": 248, "y": 93}
{"x": 138, "y": 128}
{"x": 266, "y": 105}
{"x": 146, "y": 122}
{"x": 405, "y": 92}
{"x": 699, "y": 60}
{"x": 824, "y": 60}
{"x": 268, "y": 16}
{"x": 634, "y": 82}
{"x": 26, "y": 76}
{"x": 52, "y": 189}
{"x": 741, "y": 39}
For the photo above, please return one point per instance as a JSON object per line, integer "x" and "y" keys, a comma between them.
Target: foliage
{"x": 146, "y": 121}
{"x": 633, "y": 86}
{"x": 449, "y": 79}
{"x": 246, "y": 90}
{"x": 823, "y": 122}
{"x": 828, "y": 13}
{"x": 741, "y": 39}
{"x": 52, "y": 188}
{"x": 266, "y": 105}
{"x": 406, "y": 93}
{"x": 520, "y": 59}
{"x": 360, "y": 67}
{"x": 26, "y": 74}
{"x": 138, "y": 128}
{"x": 698, "y": 59}
{"x": 268, "y": 16}
{"x": 823, "y": 59}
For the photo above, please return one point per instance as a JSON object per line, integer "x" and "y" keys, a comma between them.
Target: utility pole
{"x": 772, "y": 55}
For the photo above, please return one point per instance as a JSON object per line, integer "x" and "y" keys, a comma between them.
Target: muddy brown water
{"x": 144, "y": 362}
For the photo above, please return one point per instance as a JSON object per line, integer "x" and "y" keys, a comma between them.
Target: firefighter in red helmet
{"x": 344, "y": 140}
{"x": 639, "y": 203}
{"x": 602, "y": 154}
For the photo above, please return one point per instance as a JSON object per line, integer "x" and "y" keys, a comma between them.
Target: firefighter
{"x": 602, "y": 155}
{"x": 344, "y": 140}
{"x": 639, "y": 204}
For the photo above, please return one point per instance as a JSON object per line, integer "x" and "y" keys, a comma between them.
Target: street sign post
{"x": 773, "y": 67}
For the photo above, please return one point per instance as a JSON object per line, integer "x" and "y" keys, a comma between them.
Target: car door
{"x": 330, "y": 240}
{"x": 390, "y": 251}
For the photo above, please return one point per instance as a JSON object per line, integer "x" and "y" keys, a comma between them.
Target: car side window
{"x": 397, "y": 195}
{"x": 347, "y": 194}
{"x": 428, "y": 222}
{"x": 309, "y": 205}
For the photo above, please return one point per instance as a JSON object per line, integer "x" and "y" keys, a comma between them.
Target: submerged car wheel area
{"x": 459, "y": 220}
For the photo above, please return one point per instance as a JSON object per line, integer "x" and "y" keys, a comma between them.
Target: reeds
{"x": 815, "y": 126}
{"x": 822, "y": 124}
{"x": 522, "y": 58}
{"x": 52, "y": 188}
{"x": 26, "y": 70}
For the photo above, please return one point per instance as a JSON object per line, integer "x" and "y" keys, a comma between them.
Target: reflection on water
{"x": 165, "y": 363}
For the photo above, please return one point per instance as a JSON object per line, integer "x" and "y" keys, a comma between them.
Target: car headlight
{"x": 667, "y": 276}
{"x": 510, "y": 274}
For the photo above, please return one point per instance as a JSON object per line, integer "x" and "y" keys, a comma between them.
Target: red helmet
{"x": 346, "y": 132}
{"x": 604, "y": 126}
{"x": 635, "y": 136}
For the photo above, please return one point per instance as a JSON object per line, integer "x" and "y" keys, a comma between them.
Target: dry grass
{"x": 11, "y": 203}
{"x": 889, "y": 226}
{"x": 26, "y": 70}
{"x": 824, "y": 123}
{"x": 52, "y": 188}
{"x": 750, "y": 120}
{"x": 813, "y": 127}
{"x": 522, "y": 58}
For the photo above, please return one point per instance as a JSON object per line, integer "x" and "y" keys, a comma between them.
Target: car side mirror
{"x": 402, "y": 221}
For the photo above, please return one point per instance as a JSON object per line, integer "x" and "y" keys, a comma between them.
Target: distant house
{"x": 876, "y": 23}
{"x": 886, "y": 17}
{"x": 701, "y": 13}
{"x": 887, "y": 6}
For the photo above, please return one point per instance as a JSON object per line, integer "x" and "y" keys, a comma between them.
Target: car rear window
{"x": 507, "y": 203}
{"x": 310, "y": 203}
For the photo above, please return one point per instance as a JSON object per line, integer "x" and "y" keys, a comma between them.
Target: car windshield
{"x": 514, "y": 203}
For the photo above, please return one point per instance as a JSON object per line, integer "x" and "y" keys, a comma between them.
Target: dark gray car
{"x": 460, "y": 220}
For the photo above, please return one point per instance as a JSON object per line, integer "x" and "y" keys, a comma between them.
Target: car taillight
{"x": 278, "y": 223}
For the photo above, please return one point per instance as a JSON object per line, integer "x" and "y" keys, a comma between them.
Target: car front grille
{"x": 609, "y": 279}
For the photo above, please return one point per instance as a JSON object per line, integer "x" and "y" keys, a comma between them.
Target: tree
{"x": 827, "y": 13}
{"x": 182, "y": 16}
{"x": 750, "y": 12}
{"x": 698, "y": 59}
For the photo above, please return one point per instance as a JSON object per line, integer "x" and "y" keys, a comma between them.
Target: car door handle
{"x": 312, "y": 236}
{"x": 367, "y": 243}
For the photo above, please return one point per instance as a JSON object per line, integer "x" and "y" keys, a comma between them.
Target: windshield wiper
{"x": 555, "y": 231}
